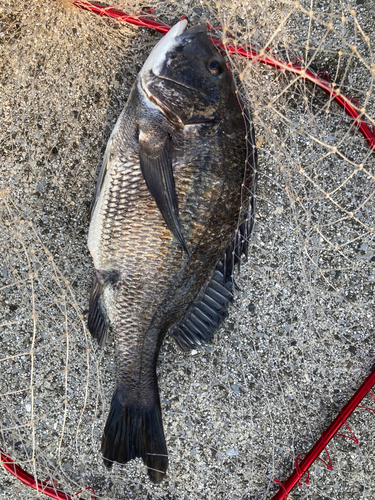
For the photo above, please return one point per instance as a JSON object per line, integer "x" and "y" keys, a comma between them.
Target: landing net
{"x": 299, "y": 340}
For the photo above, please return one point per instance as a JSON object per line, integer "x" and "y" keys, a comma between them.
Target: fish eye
{"x": 214, "y": 67}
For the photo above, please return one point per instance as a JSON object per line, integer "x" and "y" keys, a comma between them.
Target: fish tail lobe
{"x": 136, "y": 430}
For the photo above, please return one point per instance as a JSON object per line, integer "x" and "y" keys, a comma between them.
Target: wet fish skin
{"x": 165, "y": 211}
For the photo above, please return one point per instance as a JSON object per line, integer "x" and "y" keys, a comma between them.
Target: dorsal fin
{"x": 208, "y": 311}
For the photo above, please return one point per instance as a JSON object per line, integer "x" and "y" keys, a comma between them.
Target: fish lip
{"x": 156, "y": 58}
{"x": 188, "y": 35}
{"x": 173, "y": 38}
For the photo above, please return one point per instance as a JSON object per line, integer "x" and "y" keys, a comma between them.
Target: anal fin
{"x": 97, "y": 322}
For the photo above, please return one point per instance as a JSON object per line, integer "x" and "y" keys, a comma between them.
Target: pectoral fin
{"x": 156, "y": 165}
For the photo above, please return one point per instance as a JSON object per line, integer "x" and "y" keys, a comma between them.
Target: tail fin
{"x": 136, "y": 430}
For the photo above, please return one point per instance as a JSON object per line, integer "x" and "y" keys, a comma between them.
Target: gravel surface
{"x": 299, "y": 339}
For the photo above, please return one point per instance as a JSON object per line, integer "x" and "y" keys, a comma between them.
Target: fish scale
{"x": 165, "y": 215}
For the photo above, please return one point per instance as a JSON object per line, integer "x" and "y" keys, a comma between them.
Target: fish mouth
{"x": 188, "y": 35}
{"x": 178, "y": 83}
{"x": 177, "y": 36}
{"x": 155, "y": 60}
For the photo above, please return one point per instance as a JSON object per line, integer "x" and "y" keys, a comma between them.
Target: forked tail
{"x": 136, "y": 430}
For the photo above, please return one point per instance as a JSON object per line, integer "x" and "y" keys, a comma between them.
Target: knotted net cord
{"x": 299, "y": 340}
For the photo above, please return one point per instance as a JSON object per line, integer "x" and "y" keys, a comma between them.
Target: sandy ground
{"x": 299, "y": 339}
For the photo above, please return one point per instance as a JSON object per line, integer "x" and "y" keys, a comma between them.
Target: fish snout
{"x": 189, "y": 35}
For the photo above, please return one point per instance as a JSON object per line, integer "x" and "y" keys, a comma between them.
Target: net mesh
{"x": 300, "y": 337}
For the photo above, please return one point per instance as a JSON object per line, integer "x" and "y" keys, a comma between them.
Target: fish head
{"x": 186, "y": 77}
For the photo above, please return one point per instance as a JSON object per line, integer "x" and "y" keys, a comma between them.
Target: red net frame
{"x": 301, "y": 471}
{"x": 42, "y": 486}
{"x": 302, "y": 465}
{"x": 293, "y": 67}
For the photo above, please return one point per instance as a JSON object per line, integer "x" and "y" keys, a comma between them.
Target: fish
{"x": 167, "y": 227}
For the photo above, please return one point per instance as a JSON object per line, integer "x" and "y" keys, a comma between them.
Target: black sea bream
{"x": 163, "y": 228}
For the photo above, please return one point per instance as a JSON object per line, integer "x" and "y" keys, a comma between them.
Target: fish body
{"x": 166, "y": 208}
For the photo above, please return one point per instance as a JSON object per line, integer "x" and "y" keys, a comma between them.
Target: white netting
{"x": 300, "y": 338}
